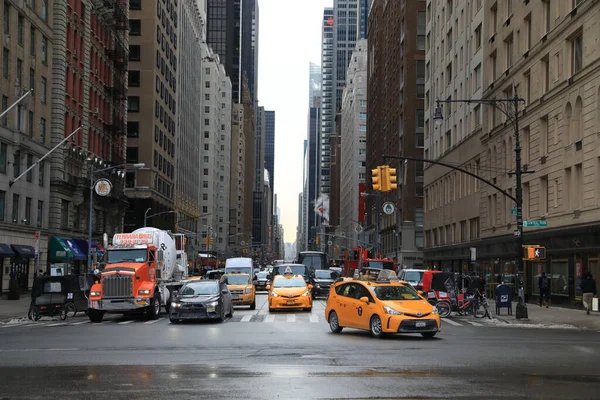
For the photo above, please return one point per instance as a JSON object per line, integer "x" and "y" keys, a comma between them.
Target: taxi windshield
{"x": 288, "y": 282}
{"x": 395, "y": 292}
{"x": 236, "y": 280}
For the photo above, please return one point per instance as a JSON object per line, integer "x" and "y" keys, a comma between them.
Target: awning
{"x": 6, "y": 251}
{"x": 59, "y": 250}
{"x": 75, "y": 250}
{"x": 83, "y": 246}
{"x": 24, "y": 251}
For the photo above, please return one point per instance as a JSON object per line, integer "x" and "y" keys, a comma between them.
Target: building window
{"x": 547, "y": 16}
{"x": 477, "y": 80}
{"x": 207, "y": 84}
{"x": 44, "y": 50}
{"x": 420, "y": 128}
{"x": 5, "y": 63}
{"x": 421, "y": 30}
{"x": 6, "y": 18}
{"x": 474, "y": 228}
{"x": 132, "y": 155}
{"x": 42, "y": 130}
{"x": 41, "y": 173}
{"x": 477, "y": 38}
{"x": 508, "y": 50}
{"x": 3, "y": 157}
{"x": 45, "y": 10}
{"x": 15, "y": 208}
{"x": 29, "y": 176}
{"x": 135, "y": 4}
{"x": 28, "y": 202}
{"x": 135, "y": 27}
{"x": 64, "y": 214}
{"x": 2, "y": 204}
{"x": 420, "y": 79}
{"x": 30, "y": 123}
{"x": 43, "y": 94}
{"x": 130, "y": 179}
{"x": 133, "y": 129}
{"x": 135, "y": 53}
{"x": 133, "y": 103}
{"x": 4, "y": 107}
{"x": 20, "y": 23}
{"x": 17, "y": 163}
{"x": 40, "y": 213}
{"x": 577, "y": 54}
{"x": 134, "y": 78}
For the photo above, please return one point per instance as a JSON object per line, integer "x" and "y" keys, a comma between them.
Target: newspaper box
{"x": 503, "y": 298}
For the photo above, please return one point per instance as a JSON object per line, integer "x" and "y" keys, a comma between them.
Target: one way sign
{"x": 535, "y": 253}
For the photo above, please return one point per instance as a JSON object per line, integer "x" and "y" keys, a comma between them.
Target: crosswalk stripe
{"x": 153, "y": 321}
{"x": 270, "y": 318}
{"x": 291, "y": 318}
{"x": 314, "y": 318}
{"x": 246, "y": 318}
{"x": 125, "y": 322}
{"x": 474, "y": 323}
{"x": 80, "y": 323}
{"x": 452, "y": 322}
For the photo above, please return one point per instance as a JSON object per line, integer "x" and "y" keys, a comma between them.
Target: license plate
{"x": 289, "y": 302}
{"x": 210, "y": 309}
{"x": 420, "y": 324}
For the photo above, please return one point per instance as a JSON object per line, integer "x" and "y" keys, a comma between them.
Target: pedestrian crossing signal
{"x": 534, "y": 252}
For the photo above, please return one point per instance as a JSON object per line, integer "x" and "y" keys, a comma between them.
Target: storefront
{"x": 65, "y": 257}
{"x": 570, "y": 253}
{"x": 97, "y": 250}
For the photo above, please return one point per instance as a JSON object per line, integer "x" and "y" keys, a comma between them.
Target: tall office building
{"x": 89, "y": 90}
{"x": 216, "y": 152}
{"x": 152, "y": 107}
{"x": 270, "y": 145}
{"x": 233, "y": 35}
{"x": 26, "y": 136}
{"x": 395, "y": 117}
{"x": 314, "y": 83}
{"x": 258, "y": 215}
{"x": 188, "y": 142}
{"x": 237, "y": 234}
{"x": 455, "y": 56}
{"x": 354, "y": 144}
{"x": 327, "y": 105}
{"x": 362, "y": 28}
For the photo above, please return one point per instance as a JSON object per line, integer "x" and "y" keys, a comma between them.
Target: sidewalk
{"x": 550, "y": 317}
{"x": 14, "y": 309}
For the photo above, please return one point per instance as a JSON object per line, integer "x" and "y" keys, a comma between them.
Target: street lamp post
{"x": 512, "y": 113}
{"x": 91, "y": 210}
{"x": 377, "y": 219}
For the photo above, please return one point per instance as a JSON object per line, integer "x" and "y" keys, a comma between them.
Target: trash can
{"x": 503, "y": 298}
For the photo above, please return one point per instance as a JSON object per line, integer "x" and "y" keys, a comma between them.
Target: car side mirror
{"x": 420, "y": 292}
{"x": 310, "y": 286}
{"x": 268, "y": 287}
{"x": 364, "y": 299}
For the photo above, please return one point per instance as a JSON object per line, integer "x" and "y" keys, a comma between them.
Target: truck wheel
{"x": 154, "y": 310}
{"x": 95, "y": 315}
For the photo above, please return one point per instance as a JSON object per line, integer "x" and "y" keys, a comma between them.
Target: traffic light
{"x": 376, "y": 178}
{"x": 534, "y": 252}
{"x": 392, "y": 179}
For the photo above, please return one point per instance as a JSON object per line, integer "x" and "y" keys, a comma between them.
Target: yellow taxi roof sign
{"x": 288, "y": 271}
{"x": 387, "y": 275}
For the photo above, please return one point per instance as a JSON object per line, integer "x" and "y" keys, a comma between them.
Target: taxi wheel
{"x": 334, "y": 323}
{"x": 428, "y": 334}
{"x": 253, "y": 305}
{"x": 271, "y": 309}
{"x": 376, "y": 326}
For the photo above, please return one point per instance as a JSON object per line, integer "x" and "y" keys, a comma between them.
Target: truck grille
{"x": 117, "y": 286}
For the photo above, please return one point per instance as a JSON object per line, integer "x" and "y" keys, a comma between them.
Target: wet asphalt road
{"x": 291, "y": 355}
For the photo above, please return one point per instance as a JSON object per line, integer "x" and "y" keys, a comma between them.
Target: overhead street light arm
{"x": 501, "y": 105}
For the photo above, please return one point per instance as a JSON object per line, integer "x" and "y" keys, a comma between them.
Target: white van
{"x": 239, "y": 264}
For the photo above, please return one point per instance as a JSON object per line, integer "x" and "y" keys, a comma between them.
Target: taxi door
{"x": 364, "y": 311}
{"x": 344, "y": 304}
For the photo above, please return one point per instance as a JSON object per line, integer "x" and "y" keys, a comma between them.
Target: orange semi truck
{"x": 142, "y": 271}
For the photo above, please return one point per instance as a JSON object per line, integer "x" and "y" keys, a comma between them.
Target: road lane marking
{"x": 58, "y": 324}
{"x": 153, "y": 321}
{"x": 291, "y": 318}
{"x": 270, "y": 318}
{"x": 80, "y": 323}
{"x": 474, "y": 323}
{"x": 584, "y": 349}
{"x": 246, "y": 318}
{"x": 314, "y": 318}
{"x": 126, "y": 322}
{"x": 452, "y": 322}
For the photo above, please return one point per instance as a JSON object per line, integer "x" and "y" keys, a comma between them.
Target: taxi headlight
{"x": 306, "y": 293}
{"x": 435, "y": 310}
{"x": 274, "y": 294}
{"x": 390, "y": 310}
{"x": 94, "y": 293}
{"x": 144, "y": 291}
{"x": 248, "y": 290}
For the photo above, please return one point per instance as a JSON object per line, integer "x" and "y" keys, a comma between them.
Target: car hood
{"x": 285, "y": 292}
{"x": 410, "y": 306}
{"x": 198, "y": 299}
{"x": 238, "y": 287}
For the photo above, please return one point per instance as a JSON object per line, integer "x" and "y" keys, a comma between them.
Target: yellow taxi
{"x": 289, "y": 291}
{"x": 380, "y": 305}
{"x": 241, "y": 288}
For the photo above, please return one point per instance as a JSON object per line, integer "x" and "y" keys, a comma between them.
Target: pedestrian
{"x": 588, "y": 288}
{"x": 544, "y": 285}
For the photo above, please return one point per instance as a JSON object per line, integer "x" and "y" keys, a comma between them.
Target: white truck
{"x": 143, "y": 268}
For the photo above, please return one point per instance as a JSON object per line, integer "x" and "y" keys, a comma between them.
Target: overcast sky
{"x": 289, "y": 38}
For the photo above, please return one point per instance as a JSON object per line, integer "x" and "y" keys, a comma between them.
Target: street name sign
{"x": 535, "y": 223}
